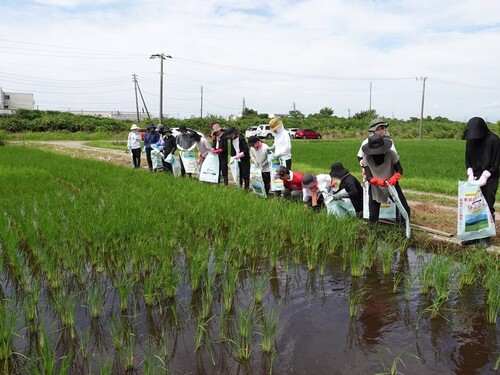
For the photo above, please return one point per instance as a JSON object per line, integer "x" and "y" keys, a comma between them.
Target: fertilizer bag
{"x": 474, "y": 217}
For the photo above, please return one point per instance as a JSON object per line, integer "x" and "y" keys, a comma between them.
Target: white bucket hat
{"x": 134, "y": 127}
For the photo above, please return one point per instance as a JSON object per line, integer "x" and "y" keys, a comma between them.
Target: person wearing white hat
{"x": 134, "y": 145}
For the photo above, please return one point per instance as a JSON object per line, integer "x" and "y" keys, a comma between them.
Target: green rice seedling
{"x": 387, "y": 252}
{"x": 469, "y": 267}
{"x": 311, "y": 258}
{"x": 396, "y": 361}
{"x": 229, "y": 286}
{"x": 275, "y": 251}
{"x": 150, "y": 288}
{"x": 355, "y": 298}
{"x": 259, "y": 283}
{"x": 95, "y": 298}
{"x": 493, "y": 303}
{"x": 426, "y": 278}
{"x": 201, "y": 332}
{"x": 408, "y": 285}
{"x": 268, "y": 329}
{"x": 7, "y": 332}
{"x": 66, "y": 308}
{"x": 116, "y": 332}
{"x": 127, "y": 354}
{"x": 356, "y": 258}
{"x": 30, "y": 301}
{"x": 46, "y": 361}
{"x": 198, "y": 265}
{"x": 323, "y": 257}
{"x": 124, "y": 286}
{"x": 244, "y": 328}
{"x": 443, "y": 272}
{"x": 398, "y": 277}
{"x": 171, "y": 277}
{"x": 497, "y": 364}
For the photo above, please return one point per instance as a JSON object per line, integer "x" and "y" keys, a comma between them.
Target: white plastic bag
{"x": 341, "y": 207}
{"x": 256, "y": 180}
{"x": 210, "y": 169}
{"x": 276, "y": 182}
{"x": 176, "y": 166}
{"x": 474, "y": 216}
{"x": 234, "y": 168}
{"x": 189, "y": 161}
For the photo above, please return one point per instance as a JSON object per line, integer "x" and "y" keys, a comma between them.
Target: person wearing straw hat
{"x": 134, "y": 145}
{"x": 282, "y": 146}
{"x": 382, "y": 167}
{"x": 219, "y": 145}
{"x": 150, "y": 139}
{"x": 258, "y": 153}
{"x": 347, "y": 186}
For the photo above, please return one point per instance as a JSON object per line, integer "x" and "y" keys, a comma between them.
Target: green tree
{"x": 363, "y": 115}
{"x": 248, "y": 112}
{"x": 296, "y": 114}
{"x": 326, "y": 112}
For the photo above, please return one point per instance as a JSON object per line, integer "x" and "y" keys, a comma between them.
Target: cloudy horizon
{"x": 273, "y": 56}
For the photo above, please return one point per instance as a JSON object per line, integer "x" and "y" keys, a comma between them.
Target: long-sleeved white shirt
{"x": 282, "y": 144}
{"x": 134, "y": 139}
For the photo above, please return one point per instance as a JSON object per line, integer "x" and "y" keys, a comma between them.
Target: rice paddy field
{"x": 109, "y": 270}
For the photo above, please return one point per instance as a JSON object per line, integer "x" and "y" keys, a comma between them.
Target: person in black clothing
{"x": 240, "y": 154}
{"x": 351, "y": 186}
{"x": 169, "y": 147}
{"x": 482, "y": 159}
{"x": 219, "y": 146}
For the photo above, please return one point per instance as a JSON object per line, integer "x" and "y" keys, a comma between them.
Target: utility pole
{"x": 134, "y": 78}
{"x": 294, "y": 107}
{"x": 201, "y": 104}
{"x": 143, "y": 102}
{"x": 162, "y": 57}
{"x": 244, "y": 106}
{"x": 370, "y": 107}
{"x": 423, "y": 79}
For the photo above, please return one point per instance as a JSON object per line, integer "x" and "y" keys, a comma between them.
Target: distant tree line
{"x": 331, "y": 126}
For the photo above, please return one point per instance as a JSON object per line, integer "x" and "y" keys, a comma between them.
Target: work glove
{"x": 484, "y": 178}
{"x": 128, "y": 150}
{"x": 239, "y": 155}
{"x": 218, "y": 151}
{"x": 271, "y": 148}
{"x": 192, "y": 147}
{"x": 340, "y": 195}
{"x": 395, "y": 177}
{"x": 470, "y": 174}
{"x": 377, "y": 181}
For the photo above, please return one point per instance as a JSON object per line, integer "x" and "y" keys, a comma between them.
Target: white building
{"x": 15, "y": 100}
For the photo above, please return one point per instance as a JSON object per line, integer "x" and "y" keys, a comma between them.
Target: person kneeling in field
{"x": 258, "y": 153}
{"x": 312, "y": 193}
{"x": 382, "y": 167}
{"x": 347, "y": 186}
{"x": 292, "y": 182}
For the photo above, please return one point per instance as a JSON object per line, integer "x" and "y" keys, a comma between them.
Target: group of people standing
{"x": 377, "y": 155}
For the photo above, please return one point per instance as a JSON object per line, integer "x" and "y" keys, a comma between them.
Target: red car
{"x": 307, "y": 134}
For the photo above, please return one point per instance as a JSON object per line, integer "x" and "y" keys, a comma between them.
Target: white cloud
{"x": 327, "y": 53}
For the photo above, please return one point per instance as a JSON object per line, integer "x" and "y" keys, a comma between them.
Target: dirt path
{"x": 438, "y": 217}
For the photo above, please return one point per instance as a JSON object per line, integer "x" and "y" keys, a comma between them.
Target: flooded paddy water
{"x": 392, "y": 329}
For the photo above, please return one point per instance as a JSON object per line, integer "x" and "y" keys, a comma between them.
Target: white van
{"x": 264, "y": 131}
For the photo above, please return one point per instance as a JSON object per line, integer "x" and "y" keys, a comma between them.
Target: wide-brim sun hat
{"x": 377, "y": 145}
{"x": 376, "y": 123}
{"x": 134, "y": 127}
{"x": 231, "y": 130}
{"x": 476, "y": 129}
{"x": 338, "y": 170}
{"x": 308, "y": 181}
{"x": 216, "y": 128}
{"x": 275, "y": 123}
{"x": 151, "y": 126}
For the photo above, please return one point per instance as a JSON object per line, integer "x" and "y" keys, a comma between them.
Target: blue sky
{"x": 274, "y": 55}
